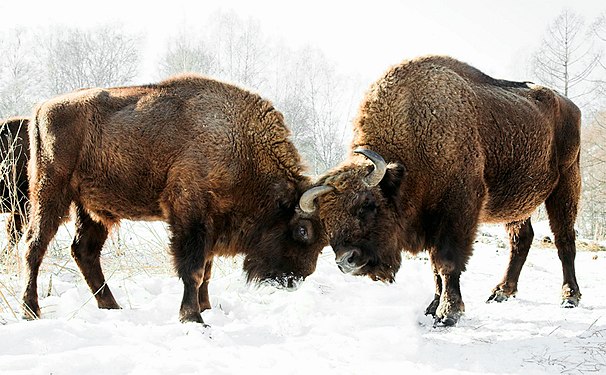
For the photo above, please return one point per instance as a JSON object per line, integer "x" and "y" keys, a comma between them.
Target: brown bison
{"x": 14, "y": 152}
{"x": 463, "y": 149}
{"x": 212, "y": 160}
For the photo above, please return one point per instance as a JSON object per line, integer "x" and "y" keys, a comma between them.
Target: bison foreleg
{"x": 203, "y": 298}
{"x": 449, "y": 255}
{"x": 188, "y": 246}
{"x": 433, "y": 306}
{"x": 451, "y": 305}
{"x": 447, "y": 305}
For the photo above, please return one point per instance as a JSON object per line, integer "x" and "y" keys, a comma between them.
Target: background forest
{"x": 318, "y": 100}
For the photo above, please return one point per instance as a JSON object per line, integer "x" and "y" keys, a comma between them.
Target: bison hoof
{"x": 497, "y": 296}
{"x": 204, "y": 307}
{"x": 570, "y": 297}
{"x": 502, "y": 292}
{"x": 570, "y": 302}
{"x": 448, "y": 321}
{"x": 193, "y": 317}
{"x": 109, "y": 306}
{"x": 448, "y": 313}
{"x": 433, "y": 307}
{"x": 31, "y": 311}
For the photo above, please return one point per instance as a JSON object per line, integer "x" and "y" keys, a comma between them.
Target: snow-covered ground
{"x": 334, "y": 323}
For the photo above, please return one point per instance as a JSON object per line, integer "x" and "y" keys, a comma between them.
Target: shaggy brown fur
{"x": 212, "y": 160}
{"x": 465, "y": 149}
{"x": 14, "y": 153}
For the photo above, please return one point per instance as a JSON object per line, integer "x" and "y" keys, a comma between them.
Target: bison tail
{"x": 34, "y": 145}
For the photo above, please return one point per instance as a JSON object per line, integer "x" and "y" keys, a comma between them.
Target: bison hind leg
{"x": 86, "y": 250}
{"x": 562, "y": 207}
{"x": 49, "y": 209}
{"x": 520, "y": 239}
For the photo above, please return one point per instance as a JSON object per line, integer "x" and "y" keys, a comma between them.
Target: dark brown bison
{"x": 463, "y": 149}
{"x": 212, "y": 160}
{"x": 14, "y": 152}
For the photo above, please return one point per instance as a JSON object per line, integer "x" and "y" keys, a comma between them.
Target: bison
{"x": 14, "y": 153}
{"x": 463, "y": 148}
{"x": 212, "y": 160}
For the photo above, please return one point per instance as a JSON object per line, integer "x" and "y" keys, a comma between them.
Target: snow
{"x": 334, "y": 323}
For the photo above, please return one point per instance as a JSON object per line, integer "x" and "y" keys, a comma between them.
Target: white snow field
{"x": 334, "y": 323}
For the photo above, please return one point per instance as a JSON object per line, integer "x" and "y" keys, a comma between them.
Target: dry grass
{"x": 582, "y": 245}
{"x": 10, "y": 261}
{"x": 134, "y": 248}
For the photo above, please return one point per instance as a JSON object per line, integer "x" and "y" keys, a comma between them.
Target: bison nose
{"x": 348, "y": 261}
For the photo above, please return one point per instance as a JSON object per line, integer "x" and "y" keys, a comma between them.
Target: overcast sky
{"x": 363, "y": 37}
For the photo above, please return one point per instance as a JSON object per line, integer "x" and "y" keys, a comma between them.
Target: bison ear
{"x": 390, "y": 184}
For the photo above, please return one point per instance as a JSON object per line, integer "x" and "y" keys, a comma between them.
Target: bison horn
{"x": 307, "y": 199}
{"x": 377, "y": 174}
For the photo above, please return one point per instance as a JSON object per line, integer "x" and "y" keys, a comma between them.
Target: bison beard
{"x": 464, "y": 149}
{"x": 210, "y": 159}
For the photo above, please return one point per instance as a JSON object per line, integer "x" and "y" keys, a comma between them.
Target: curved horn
{"x": 306, "y": 202}
{"x": 377, "y": 174}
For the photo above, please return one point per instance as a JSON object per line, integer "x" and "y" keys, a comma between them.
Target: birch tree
{"x": 100, "y": 57}
{"x": 186, "y": 53}
{"x": 18, "y": 75}
{"x": 241, "y": 49}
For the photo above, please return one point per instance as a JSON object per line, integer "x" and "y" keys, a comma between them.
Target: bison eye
{"x": 301, "y": 233}
{"x": 367, "y": 209}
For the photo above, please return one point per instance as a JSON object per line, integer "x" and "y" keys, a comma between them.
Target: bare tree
{"x": 599, "y": 31}
{"x": 227, "y": 47}
{"x": 307, "y": 89}
{"x": 18, "y": 75}
{"x": 303, "y": 84}
{"x": 593, "y": 164}
{"x": 323, "y": 87}
{"x": 241, "y": 49}
{"x": 287, "y": 90}
{"x": 567, "y": 58}
{"x": 101, "y": 57}
{"x": 188, "y": 54}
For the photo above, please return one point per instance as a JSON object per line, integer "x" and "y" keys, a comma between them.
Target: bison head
{"x": 286, "y": 243}
{"x": 358, "y": 205}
